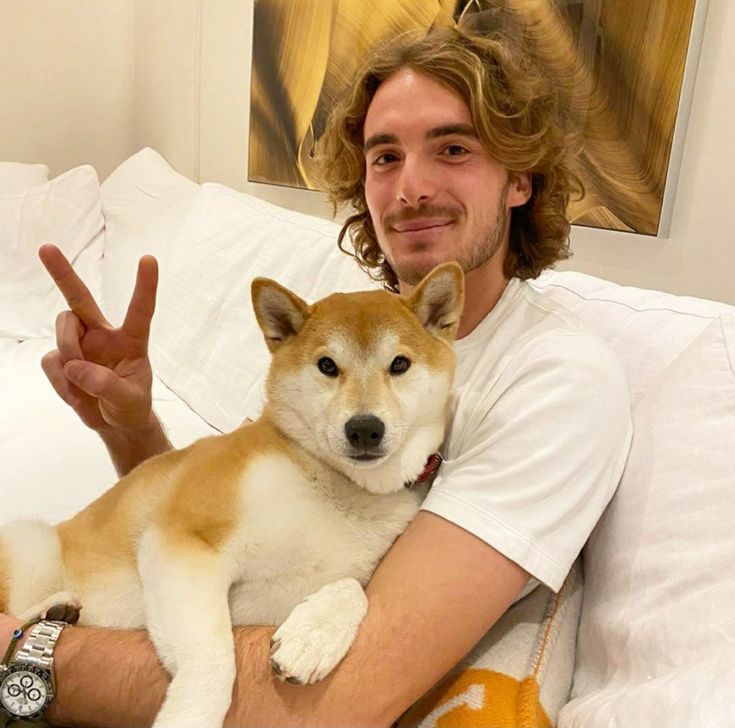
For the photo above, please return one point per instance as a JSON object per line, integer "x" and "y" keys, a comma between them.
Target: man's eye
{"x": 384, "y": 159}
{"x": 455, "y": 150}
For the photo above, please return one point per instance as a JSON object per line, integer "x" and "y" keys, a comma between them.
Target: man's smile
{"x": 421, "y": 225}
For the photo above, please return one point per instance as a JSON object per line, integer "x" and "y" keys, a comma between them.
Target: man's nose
{"x": 416, "y": 183}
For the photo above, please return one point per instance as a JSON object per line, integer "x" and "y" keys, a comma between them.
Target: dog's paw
{"x": 318, "y": 633}
{"x": 66, "y": 612}
{"x": 62, "y": 606}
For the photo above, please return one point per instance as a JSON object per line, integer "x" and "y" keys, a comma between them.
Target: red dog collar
{"x": 430, "y": 470}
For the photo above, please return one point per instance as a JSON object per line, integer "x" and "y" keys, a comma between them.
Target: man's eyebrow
{"x": 376, "y": 139}
{"x": 437, "y": 132}
{"x": 452, "y": 129}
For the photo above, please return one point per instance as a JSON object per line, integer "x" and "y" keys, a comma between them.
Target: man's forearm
{"x": 129, "y": 449}
{"x": 113, "y": 679}
{"x": 106, "y": 679}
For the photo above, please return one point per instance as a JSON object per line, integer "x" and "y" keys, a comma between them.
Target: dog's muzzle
{"x": 364, "y": 434}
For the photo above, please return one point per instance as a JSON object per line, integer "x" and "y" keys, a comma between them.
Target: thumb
{"x": 95, "y": 380}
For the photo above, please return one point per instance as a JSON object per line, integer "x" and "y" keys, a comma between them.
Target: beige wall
{"x": 168, "y": 70}
{"x": 175, "y": 74}
{"x": 66, "y": 82}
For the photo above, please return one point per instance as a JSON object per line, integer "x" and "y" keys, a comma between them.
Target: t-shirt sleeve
{"x": 540, "y": 455}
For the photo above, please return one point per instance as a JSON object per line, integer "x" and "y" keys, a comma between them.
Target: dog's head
{"x": 362, "y": 380}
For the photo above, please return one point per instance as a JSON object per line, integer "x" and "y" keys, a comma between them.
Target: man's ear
{"x": 280, "y": 313}
{"x": 438, "y": 300}
{"x": 520, "y": 188}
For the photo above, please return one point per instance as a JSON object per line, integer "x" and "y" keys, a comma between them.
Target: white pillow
{"x": 205, "y": 344}
{"x": 145, "y": 202}
{"x": 657, "y": 636}
{"x": 66, "y": 211}
{"x": 18, "y": 177}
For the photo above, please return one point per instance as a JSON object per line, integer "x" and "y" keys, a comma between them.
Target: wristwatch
{"x": 27, "y": 679}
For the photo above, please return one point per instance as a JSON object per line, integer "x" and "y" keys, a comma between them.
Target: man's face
{"x": 433, "y": 192}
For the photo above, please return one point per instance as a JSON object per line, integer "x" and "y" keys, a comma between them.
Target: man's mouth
{"x": 421, "y": 225}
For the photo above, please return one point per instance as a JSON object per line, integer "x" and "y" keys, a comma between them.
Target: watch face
{"x": 24, "y": 691}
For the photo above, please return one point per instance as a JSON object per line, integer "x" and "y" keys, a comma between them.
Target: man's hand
{"x": 103, "y": 373}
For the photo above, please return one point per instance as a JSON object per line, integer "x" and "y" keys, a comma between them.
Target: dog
{"x": 281, "y": 521}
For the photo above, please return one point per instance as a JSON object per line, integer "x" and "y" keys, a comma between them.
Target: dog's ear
{"x": 280, "y": 313}
{"x": 438, "y": 300}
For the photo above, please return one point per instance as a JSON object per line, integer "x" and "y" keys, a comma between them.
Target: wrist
{"x": 66, "y": 653}
{"x": 147, "y": 427}
{"x": 128, "y": 447}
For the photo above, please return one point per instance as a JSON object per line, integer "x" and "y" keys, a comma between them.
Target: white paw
{"x": 318, "y": 632}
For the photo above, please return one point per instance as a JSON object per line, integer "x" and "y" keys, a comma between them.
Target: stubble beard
{"x": 471, "y": 258}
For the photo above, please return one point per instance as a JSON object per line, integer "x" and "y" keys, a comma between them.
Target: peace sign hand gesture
{"x": 103, "y": 373}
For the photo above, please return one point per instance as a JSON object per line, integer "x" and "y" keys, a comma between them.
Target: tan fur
{"x": 375, "y": 313}
{"x": 215, "y": 466}
{"x": 101, "y": 537}
{"x": 337, "y": 314}
{"x": 167, "y": 490}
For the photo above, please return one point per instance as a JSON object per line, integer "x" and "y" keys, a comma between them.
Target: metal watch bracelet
{"x": 38, "y": 647}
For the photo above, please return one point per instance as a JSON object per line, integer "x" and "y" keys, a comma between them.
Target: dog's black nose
{"x": 364, "y": 431}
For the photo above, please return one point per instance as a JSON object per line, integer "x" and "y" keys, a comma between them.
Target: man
{"x": 448, "y": 148}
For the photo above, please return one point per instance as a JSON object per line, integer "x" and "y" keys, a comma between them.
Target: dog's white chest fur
{"x": 299, "y": 531}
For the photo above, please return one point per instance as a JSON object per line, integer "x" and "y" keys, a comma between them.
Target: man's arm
{"x": 435, "y": 594}
{"x": 129, "y": 449}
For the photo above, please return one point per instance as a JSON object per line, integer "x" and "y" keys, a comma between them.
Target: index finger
{"x": 72, "y": 287}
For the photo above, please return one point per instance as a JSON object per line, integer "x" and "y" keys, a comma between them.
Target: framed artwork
{"x": 630, "y": 65}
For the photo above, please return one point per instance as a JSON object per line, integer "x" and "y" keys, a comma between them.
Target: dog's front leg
{"x": 318, "y": 632}
{"x": 185, "y": 589}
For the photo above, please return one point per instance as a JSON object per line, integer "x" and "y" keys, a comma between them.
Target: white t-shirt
{"x": 539, "y": 436}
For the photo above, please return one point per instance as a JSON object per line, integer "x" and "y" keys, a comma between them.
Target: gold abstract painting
{"x": 623, "y": 61}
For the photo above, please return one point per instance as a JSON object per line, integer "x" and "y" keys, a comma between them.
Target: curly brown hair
{"x": 520, "y": 117}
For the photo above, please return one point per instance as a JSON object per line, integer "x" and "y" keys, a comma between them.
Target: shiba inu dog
{"x": 281, "y": 521}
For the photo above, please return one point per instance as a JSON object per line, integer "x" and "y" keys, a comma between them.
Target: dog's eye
{"x": 327, "y": 367}
{"x": 399, "y": 365}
